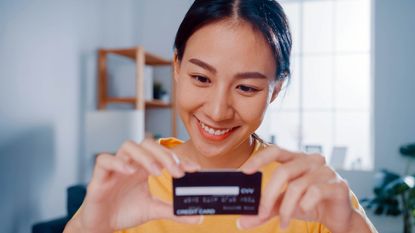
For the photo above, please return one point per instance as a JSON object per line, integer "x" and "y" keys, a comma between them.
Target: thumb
{"x": 196, "y": 219}
{"x": 248, "y": 222}
{"x": 252, "y": 221}
{"x": 163, "y": 210}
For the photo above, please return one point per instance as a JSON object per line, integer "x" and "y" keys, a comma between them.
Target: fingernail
{"x": 176, "y": 171}
{"x": 180, "y": 173}
{"x": 201, "y": 219}
{"x": 176, "y": 158}
{"x": 129, "y": 169}
{"x": 191, "y": 165}
{"x": 249, "y": 170}
{"x": 238, "y": 224}
{"x": 283, "y": 224}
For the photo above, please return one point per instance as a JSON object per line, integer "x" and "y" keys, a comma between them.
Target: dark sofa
{"x": 75, "y": 197}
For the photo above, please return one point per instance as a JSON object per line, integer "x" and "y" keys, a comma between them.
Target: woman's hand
{"x": 118, "y": 196}
{"x": 302, "y": 187}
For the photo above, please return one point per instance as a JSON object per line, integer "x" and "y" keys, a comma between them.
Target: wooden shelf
{"x": 150, "y": 59}
{"x": 141, "y": 58}
{"x": 121, "y": 100}
{"x": 157, "y": 104}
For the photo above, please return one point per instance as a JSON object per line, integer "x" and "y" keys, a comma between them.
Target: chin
{"x": 209, "y": 151}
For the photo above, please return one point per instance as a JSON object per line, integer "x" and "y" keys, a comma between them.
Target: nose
{"x": 219, "y": 105}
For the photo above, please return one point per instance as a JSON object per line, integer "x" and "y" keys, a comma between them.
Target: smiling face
{"x": 225, "y": 81}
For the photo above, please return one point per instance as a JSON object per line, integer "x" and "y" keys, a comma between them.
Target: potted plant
{"x": 158, "y": 91}
{"x": 394, "y": 193}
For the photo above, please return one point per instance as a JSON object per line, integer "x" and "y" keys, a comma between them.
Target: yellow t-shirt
{"x": 161, "y": 187}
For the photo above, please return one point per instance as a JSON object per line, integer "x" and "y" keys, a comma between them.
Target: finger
{"x": 284, "y": 174}
{"x": 266, "y": 156}
{"x": 168, "y": 159}
{"x": 297, "y": 188}
{"x": 141, "y": 156}
{"x": 248, "y": 221}
{"x": 190, "y": 166}
{"x": 317, "y": 193}
{"x": 106, "y": 164}
{"x": 251, "y": 221}
{"x": 163, "y": 210}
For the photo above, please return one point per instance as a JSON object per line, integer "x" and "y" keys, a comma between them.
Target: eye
{"x": 247, "y": 89}
{"x": 200, "y": 79}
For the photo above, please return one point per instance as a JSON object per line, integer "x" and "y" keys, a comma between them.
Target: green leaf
{"x": 399, "y": 186}
{"x": 408, "y": 150}
{"x": 382, "y": 179}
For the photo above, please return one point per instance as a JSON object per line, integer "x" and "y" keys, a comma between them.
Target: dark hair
{"x": 266, "y": 16}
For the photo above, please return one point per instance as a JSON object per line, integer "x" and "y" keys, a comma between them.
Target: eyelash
{"x": 243, "y": 88}
{"x": 198, "y": 78}
{"x": 247, "y": 89}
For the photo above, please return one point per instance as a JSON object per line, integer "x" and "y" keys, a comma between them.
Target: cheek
{"x": 187, "y": 97}
{"x": 252, "y": 110}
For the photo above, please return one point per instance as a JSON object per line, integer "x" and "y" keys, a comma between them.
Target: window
{"x": 327, "y": 102}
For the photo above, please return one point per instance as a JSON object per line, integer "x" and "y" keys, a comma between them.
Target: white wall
{"x": 158, "y": 24}
{"x": 47, "y": 84}
{"x": 394, "y": 80}
{"x": 158, "y": 21}
{"x": 47, "y": 54}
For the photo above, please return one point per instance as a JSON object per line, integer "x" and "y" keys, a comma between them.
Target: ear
{"x": 276, "y": 90}
{"x": 176, "y": 66}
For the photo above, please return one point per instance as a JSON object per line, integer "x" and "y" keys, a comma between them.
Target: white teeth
{"x": 212, "y": 131}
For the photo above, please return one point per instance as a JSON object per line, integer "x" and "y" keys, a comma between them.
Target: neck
{"x": 231, "y": 159}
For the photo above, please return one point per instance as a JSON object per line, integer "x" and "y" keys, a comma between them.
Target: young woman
{"x": 231, "y": 59}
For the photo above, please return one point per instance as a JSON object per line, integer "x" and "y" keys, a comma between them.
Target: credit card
{"x": 217, "y": 192}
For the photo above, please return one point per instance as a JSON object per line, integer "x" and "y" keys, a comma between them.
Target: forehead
{"x": 234, "y": 45}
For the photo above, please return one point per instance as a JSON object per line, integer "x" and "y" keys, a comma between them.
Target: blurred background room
{"x": 79, "y": 77}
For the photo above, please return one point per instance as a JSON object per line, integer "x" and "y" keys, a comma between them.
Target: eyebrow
{"x": 255, "y": 75}
{"x": 204, "y": 65}
{"x": 243, "y": 75}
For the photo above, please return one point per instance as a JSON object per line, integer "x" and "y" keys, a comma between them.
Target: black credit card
{"x": 217, "y": 192}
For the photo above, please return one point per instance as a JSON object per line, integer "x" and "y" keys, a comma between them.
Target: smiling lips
{"x": 212, "y": 133}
